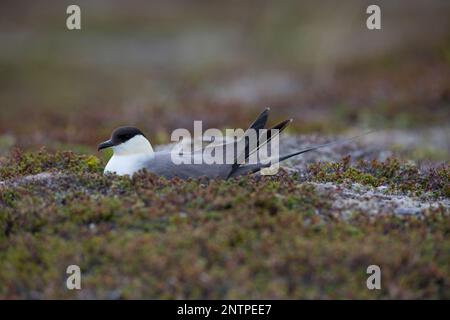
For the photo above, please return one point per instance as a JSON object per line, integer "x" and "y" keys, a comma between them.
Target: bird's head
{"x": 127, "y": 141}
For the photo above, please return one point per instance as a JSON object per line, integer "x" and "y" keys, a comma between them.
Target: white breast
{"x": 130, "y": 156}
{"x": 128, "y": 164}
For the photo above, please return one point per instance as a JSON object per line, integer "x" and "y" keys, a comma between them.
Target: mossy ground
{"x": 252, "y": 237}
{"x": 159, "y": 67}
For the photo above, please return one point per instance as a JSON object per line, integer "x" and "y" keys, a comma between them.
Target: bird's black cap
{"x": 120, "y": 135}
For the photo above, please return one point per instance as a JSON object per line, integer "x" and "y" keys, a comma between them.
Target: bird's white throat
{"x": 130, "y": 156}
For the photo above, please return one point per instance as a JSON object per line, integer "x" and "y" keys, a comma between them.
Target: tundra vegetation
{"x": 255, "y": 236}
{"x": 311, "y": 231}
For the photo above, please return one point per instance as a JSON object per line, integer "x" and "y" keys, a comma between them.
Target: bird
{"x": 133, "y": 152}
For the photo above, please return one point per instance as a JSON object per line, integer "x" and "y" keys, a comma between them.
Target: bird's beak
{"x": 106, "y": 144}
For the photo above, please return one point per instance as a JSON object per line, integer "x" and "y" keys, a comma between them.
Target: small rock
{"x": 407, "y": 211}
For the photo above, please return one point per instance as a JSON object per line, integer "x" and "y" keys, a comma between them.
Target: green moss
{"x": 93, "y": 163}
{"x": 403, "y": 177}
{"x": 250, "y": 237}
{"x": 20, "y": 163}
{"x": 8, "y": 197}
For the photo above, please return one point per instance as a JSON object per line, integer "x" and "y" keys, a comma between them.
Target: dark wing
{"x": 249, "y": 150}
{"x": 163, "y": 164}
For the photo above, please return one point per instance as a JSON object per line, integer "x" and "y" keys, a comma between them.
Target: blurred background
{"x": 159, "y": 65}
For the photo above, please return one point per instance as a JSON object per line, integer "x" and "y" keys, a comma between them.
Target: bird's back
{"x": 163, "y": 165}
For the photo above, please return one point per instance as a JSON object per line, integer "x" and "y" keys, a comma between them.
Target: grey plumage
{"x": 162, "y": 163}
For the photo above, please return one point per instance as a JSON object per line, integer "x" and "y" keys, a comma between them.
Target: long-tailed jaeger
{"x": 133, "y": 152}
